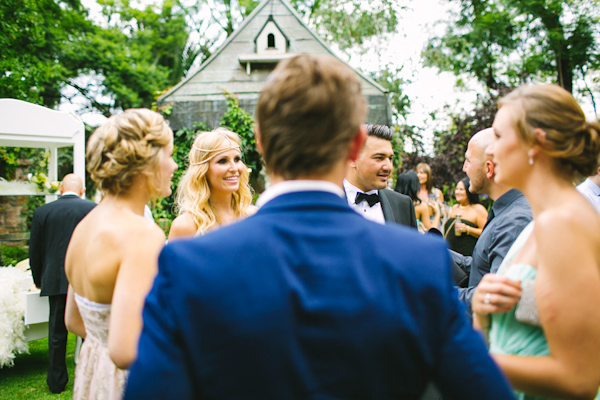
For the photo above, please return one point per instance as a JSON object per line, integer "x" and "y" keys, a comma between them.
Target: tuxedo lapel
{"x": 388, "y": 213}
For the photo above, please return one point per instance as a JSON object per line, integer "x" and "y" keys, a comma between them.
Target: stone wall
{"x": 13, "y": 219}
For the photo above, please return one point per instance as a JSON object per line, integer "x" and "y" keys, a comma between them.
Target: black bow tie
{"x": 372, "y": 199}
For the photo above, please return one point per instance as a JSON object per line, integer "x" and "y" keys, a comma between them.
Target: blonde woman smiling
{"x": 214, "y": 189}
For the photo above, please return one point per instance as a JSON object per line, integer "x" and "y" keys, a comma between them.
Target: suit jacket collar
{"x": 388, "y": 213}
{"x": 309, "y": 200}
{"x": 291, "y": 186}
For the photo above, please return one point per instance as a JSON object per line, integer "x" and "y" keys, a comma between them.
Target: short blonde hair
{"x": 307, "y": 113}
{"x": 572, "y": 142}
{"x": 124, "y": 147}
{"x": 193, "y": 191}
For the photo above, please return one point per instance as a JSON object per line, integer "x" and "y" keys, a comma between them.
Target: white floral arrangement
{"x": 13, "y": 284}
{"x": 37, "y": 184}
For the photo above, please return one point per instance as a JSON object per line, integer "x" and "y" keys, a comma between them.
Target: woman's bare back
{"x": 98, "y": 247}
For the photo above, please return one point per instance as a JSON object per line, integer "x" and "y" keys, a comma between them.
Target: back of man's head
{"x": 72, "y": 183}
{"x": 479, "y": 167}
{"x": 309, "y": 110}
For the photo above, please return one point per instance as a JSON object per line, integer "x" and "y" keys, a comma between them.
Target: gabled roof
{"x": 237, "y": 32}
{"x": 271, "y": 19}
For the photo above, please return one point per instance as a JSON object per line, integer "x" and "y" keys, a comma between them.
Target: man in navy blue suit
{"x": 307, "y": 299}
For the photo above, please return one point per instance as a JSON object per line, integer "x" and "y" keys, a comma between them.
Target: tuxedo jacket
{"x": 308, "y": 300}
{"x": 397, "y": 208}
{"x": 51, "y": 229}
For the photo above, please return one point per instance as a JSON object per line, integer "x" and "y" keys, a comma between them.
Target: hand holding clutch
{"x": 526, "y": 311}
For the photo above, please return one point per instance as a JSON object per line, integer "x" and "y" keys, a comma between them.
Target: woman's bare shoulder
{"x": 575, "y": 225}
{"x": 479, "y": 209}
{"x": 183, "y": 226}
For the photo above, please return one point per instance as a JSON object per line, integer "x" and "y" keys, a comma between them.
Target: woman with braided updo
{"x": 214, "y": 189}
{"x": 540, "y": 311}
{"x": 112, "y": 258}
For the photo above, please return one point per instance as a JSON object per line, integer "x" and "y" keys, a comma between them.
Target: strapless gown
{"x": 463, "y": 244}
{"x": 509, "y": 336}
{"x": 96, "y": 376}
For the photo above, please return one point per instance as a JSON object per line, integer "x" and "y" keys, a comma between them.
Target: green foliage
{"x": 11, "y": 255}
{"x": 505, "y": 43}
{"x": 136, "y": 56}
{"x": 349, "y": 23}
{"x": 10, "y": 159}
{"x": 131, "y": 56}
{"x": 241, "y": 122}
{"x": 389, "y": 78}
{"x": 33, "y": 35}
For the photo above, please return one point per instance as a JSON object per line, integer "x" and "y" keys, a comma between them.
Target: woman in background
{"x": 112, "y": 257}
{"x": 465, "y": 220}
{"x": 429, "y": 195}
{"x": 549, "y": 345}
{"x": 214, "y": 189}
{"x": 408, "y": 184}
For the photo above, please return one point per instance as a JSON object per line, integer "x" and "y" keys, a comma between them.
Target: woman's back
{"x": 100, "y": 244}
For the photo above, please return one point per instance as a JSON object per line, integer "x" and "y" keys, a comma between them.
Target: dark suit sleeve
{"x": 465, "y": 370}
{"x": 413, "y": 217}
{"x": 160, "y": 371}
{"x": 36, "y": 249}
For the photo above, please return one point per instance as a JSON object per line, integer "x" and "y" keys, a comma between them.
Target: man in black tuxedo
{"x": 366, "y": 182}
{"x": 51, "y": 230}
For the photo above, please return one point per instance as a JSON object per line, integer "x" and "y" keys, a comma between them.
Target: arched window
{"x": 271, "y": 41}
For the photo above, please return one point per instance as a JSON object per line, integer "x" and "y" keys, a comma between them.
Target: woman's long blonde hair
{"x": 193, "y": 191}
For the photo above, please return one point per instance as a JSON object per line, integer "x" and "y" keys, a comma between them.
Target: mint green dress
{"x": 509, "y": 336}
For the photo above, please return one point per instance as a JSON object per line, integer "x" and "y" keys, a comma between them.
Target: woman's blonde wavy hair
{"x": 124, "y": 147}
{"x": 193, "y": 191}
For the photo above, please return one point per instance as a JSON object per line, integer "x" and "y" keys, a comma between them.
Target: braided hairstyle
{"x": 126, "y": 145}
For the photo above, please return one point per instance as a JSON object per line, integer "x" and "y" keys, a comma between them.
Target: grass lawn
{"x": 27, "y": 378}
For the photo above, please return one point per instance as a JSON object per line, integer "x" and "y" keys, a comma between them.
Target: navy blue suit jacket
{"x": 308, "y": 300}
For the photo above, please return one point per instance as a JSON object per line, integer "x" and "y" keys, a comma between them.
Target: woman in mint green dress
{"x": 552, "y": 351}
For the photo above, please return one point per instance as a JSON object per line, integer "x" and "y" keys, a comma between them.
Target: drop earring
{"x": 530, "y": 157}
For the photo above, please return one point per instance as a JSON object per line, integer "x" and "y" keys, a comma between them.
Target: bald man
{"x": 51, "y": 230}
{"x": 507, "y": 218}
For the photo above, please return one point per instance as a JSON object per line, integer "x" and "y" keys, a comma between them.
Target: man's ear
{"x": 356, "y": 144}
{"x": 257, "y": 140}
{"x": 488, "y": 168}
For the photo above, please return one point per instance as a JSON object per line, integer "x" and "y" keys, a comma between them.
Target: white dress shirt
{"x": 374, "y": 213}
{"x": 591, "y": 191}
{"x": 292, "y": 186}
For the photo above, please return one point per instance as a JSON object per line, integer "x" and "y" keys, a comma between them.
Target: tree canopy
{"x": 511, "y": 42}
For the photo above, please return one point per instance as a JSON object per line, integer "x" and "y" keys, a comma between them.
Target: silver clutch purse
{"x": 526, "y": 311}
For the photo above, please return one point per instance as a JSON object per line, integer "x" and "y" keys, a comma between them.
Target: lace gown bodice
{"x": 96, "y": 376}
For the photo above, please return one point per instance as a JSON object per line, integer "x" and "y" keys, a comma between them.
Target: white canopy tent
{"x": 24, "y": 124}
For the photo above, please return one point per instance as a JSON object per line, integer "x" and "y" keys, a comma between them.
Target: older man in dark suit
{"x": 51, "y": 230}
{"x": 366, "y": 182}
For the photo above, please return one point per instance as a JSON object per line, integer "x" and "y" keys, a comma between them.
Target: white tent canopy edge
{"x": 24, "y": 124}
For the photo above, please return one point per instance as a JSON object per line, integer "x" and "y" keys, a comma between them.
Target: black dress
{"x": 463, "y": 244}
